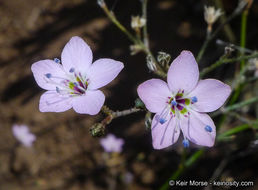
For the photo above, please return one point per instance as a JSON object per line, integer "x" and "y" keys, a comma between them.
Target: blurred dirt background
{"x": 65, "y": 156}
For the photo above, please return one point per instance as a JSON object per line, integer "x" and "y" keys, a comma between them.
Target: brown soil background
{"x": 64, "y": 155}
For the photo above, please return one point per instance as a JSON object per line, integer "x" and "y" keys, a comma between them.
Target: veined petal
{"x": 47, "y": 67}
{"x": 211, "y": 94}
{"x": 51, "y": 101}
{"x": 183, "y": 73}
{"x": 199, "y": 129}
{"x": 164, "y": 135}
{"x": 154, "y": 93}
{"x": 90, "y": 103}
{"x": 76, "y": 55}
{"x": 102, "y": 72}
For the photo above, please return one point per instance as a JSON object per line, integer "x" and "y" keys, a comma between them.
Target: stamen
{"x": 162, "y": 120}
{"x": 71, "y": 70}
{"x": 194, "y": 99}
{"x": 57, "y": 60}
{"x": 186, "y": 143}
{"x": 48, "y": 75}
{"x": 208, "y": 128}
{"x": 174, "y": 103}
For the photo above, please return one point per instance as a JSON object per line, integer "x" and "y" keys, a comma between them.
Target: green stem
{"x": 112, "y": 17}
{"x": 214, "y": 34}
{"x": 243, "y": 34}
{"x": 144, "y": 15}
{"x": 223, "y": 60}
{"x": 228, "y": 31}
{"x": 233, "y": 131}
{"x": 189, "y": 162}
{"x": 235, "y": 106}
{"x": 241, "y": 104}
{"x": 160, "y": 71}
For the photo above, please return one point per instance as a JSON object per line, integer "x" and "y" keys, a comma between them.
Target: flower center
{"x": 74, "y": 84}
{"x": 177, "y": 105}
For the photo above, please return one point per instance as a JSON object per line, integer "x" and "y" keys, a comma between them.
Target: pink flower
{"x": 23, "y": 135}
{"x": 75, "y": 83}
{"x": 181, "y": 103}
{"x": 112, "y": 144}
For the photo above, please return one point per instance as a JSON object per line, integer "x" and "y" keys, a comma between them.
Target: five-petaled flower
{"x": 112, "y": 144}
{"x": 181, "y": 103}
{"x": 23, "y": 135}
{"x": 75, "y": 83}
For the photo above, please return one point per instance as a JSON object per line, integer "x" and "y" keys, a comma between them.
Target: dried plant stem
{"x": 115, "y": 114}
{"x": 125, "y": 112}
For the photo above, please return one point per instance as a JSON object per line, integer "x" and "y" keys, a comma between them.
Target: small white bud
{"x": 211, "y": 14}
{"x": 101, "y": 3}
{"x": 137, "y": 22}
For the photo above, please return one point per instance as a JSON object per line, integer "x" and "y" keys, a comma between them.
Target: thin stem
{"x": 125, "y": 112}
{"x": 241, "y": 104}
{"x": 237, "y": 129}
{"x": 145, "y": 31}
{"x": 189, "y": 162}
{"x": 214, "y": 34}
{"x": 228, "y": 31}
{"x": 112, "y": 17}
{"x": 223, "y": 60}
{"x": 235, "y": 106}
{"x": 160, "y": 71}
{"x": 243, "y": 34}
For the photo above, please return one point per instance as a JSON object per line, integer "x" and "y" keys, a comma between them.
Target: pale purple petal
{"x": 199, "y": 129}
{"x": 48, "y": 67}
{"x": 112, "y": 144}
{"x": 23, "y": 135}
{"x": 164, "y": 135}
{"x": 102, "y": 72}
{"x": 183, "y": 73}
{"x": 76, "y": 55}
{"x": 154, "y": 93}
{"x": 89, "y": 103}
{"x": 211, "y": 94}
{"x": 51, "y": 101}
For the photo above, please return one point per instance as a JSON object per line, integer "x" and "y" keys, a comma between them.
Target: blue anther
{"x": 174, "y": 103}
{"x": 57, "y": 90}
{"x": 57, "y": 60}
{"x": 162, "y": 120}
{"x": 208, "y": 128}
{"x": 71, "y": 70}
{"x": 194, "y": 99}
{"x": 186, "y": 143}
{"x": 48, "y": 75}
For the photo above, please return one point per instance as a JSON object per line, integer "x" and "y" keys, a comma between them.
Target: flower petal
{"x": 44, "y": 67}
{"x": 90, "y": 103}
{"x": 102, "y": 72}
{"x": 164, "y": 135}
{"x": 154, "y": 93}
{"x": 199, "y": 129}
{"x": 183, "y": 74}
{"x": 211, "y": 94}
{"x": 77, "y": 55}
{"x": 51, "y": 101}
